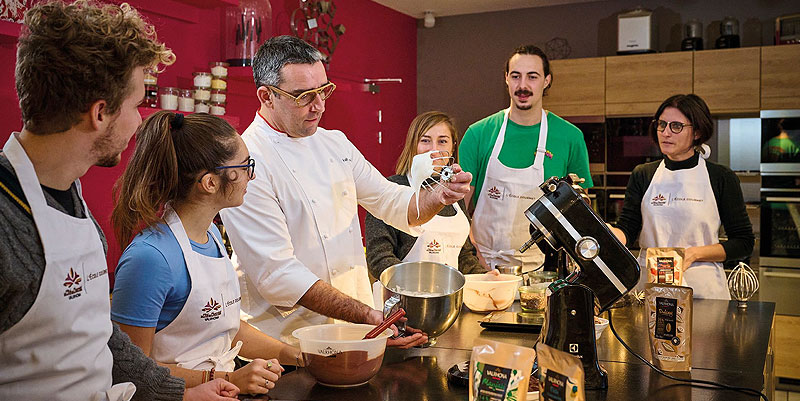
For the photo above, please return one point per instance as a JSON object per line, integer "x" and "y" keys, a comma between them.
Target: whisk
{"x": 426, "y": 172}
{"x": 742, "y": 284}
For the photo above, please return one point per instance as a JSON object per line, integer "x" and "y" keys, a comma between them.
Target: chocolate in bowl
{"x": 346, "y": 369}
{"x": 337, "y": 355}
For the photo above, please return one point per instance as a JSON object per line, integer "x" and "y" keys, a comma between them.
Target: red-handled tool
{"x": 392, "y": 319}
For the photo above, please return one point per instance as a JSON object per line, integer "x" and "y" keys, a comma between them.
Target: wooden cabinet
{"x": 729, "y": 79}
{"x": 787, "y": 348}
{"x": 578, "y": 87}
{"x": 780, "y": 80}
{"x": 636, "y": 85}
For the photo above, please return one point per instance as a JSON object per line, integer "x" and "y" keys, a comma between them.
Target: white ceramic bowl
{"x": 600, "y": 325}
{"x": 485, "y": 293}
{"x": 336, "y": 355}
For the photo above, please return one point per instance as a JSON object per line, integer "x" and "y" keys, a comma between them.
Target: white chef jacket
{"x": 299, "y": 222}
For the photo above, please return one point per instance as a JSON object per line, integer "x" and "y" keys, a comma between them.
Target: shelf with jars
{"x": 148, "y": 111}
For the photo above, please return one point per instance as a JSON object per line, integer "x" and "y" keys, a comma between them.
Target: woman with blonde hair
{"x": 445, "y": 238}
{"x": 176, "y": 292}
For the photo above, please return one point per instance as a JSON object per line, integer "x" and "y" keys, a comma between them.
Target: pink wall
{"x": 378, "y": 43}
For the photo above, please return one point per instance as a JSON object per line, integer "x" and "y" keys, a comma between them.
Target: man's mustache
{"x": 523, "y": 92}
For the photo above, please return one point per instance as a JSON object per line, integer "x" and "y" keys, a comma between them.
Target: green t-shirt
{"x": 567, "y": 150}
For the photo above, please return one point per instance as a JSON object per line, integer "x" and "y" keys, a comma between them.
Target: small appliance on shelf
{"x": 636, "y": 32}
{"x": 787, "y": 29}
{"x": 729, "y": 34}
{"x": 693, "y": 35}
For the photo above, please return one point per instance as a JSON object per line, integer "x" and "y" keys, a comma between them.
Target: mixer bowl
{"x": 430, "y": 293}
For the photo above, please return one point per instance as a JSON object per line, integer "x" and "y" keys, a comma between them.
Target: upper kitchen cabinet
{"x": 636, "y": 85}
{"x": 728, "y": 79}
{"x": 578, "y": 87}
{"x": 780, "y": 81}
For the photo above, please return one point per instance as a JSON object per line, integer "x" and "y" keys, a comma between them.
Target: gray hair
{"x": 275, "y": 53}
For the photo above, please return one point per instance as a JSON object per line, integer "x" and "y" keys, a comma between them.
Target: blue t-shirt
{"x": 152, "y": 282}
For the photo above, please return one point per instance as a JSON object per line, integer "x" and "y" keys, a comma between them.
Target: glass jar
{"x": 202, "y": 94}
{"x": 150, "y": 96}
{"x": 202, "y": 79}
{"x": 218, "y": 96}
{"x": 185, "y": 101}
{"x": 201, "y": 107}
{"x": 219, "y": 69}
{"x": 169, "y": 98}
{"x": 150, "y": 76}
{"x": 541, "y": 277}
{"x": 533, "y": 298}
{"x": 217, "y": 109}
{"x": 219, "y": 83}
{"x": 246, "y": 27}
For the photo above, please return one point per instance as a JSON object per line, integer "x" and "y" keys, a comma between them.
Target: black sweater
{"x": 387, "y": 246}
{"x": 728, "y": 194}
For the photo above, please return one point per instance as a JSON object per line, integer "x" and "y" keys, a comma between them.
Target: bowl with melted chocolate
{"x": 337, "y": 356}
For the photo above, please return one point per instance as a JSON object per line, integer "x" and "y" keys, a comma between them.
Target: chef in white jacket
{"x": 297, "y": 236}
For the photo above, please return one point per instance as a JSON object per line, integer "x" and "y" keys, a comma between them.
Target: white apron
{"x": 499, "y": 224}
{"x": 679, "y": 210}
{"x": 59, "y": 350}
{"x": 200, "y": 336}
{"x": 441, "y": 241}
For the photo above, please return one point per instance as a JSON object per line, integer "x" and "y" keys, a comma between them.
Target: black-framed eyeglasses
{"x": 305, "y": 98}
{"x": 251, "y": 167}
{"x": 675, "y": 126}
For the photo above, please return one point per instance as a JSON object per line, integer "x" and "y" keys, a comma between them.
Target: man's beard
{"x": 523, "y": 107}
{"x": 103, "y": 147}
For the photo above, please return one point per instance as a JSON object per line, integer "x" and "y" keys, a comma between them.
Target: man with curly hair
{"x": 79, "y": 79}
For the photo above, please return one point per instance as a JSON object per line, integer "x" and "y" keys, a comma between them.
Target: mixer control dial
{"x": 587, "y": 248}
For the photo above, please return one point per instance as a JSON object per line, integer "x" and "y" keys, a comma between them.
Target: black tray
{"x": 513, "y": 321}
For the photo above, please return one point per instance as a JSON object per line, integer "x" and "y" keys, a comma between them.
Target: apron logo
{"x": 549, "y": 154}
{"x": 73, "y": 284}
{"x": 658, "y": 200}
{"x": 494, "y": 193}
{"x": 211, "y": 311}
{"x": 434, "y": 247}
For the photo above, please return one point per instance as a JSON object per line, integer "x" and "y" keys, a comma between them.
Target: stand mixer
{"x": 606, "y": 271}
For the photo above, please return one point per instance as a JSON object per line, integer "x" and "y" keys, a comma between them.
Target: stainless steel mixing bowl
{"x": 430, "y": 293}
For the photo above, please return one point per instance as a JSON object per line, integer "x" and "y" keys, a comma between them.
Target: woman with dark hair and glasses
{"x": 176, "y": 293}
{"x": 682, "y": 200}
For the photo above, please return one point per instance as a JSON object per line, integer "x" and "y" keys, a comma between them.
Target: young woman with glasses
{"x": 176, "y": 292}
{"x": 682, "y": 200}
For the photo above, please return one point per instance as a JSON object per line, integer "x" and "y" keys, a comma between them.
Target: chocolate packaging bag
{"x": 561, "y": 376}
{"x": 665, "y": 265}
{"x": 669, "y": 310}
{"x": 499, "y": 371}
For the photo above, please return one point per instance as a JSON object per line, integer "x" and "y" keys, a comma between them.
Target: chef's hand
{"x": 375, "y": 317}
{"x": 257, "y": 377}
{"x": 215, "y": 390}
{"x": 455, "y": 189}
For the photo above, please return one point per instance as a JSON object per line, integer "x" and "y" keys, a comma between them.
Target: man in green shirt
{"x": 510, "y": 153}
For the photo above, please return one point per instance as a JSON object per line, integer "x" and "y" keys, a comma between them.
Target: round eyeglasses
{"x": 305, "y": 98}
{"x": 675, "y": 126}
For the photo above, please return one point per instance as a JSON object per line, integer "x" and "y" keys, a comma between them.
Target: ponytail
{"x": 171, "y": 150}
